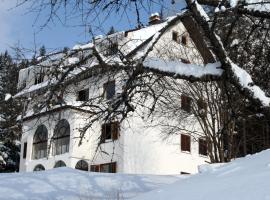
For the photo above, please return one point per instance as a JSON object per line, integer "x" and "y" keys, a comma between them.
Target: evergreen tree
{"x": 111, "y": 31}
{"x": 10, "y": 131}
{"x": 42, "y": 51}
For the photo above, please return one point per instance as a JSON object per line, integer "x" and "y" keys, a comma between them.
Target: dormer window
{"x": 175, "y": 36}
{"x": 109, "y": 89}
{"x": 184, "y": 40}
{"x": 83, "y": 95}
{"x": 112, "y": 49}
{"x": 39, "y": 78}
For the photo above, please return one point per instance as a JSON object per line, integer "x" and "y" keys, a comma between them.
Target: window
{"x": 95, "y": 168}
{"x": 24, "y": 149}
{"x": 39, "y": 78}
{"x": 184, "y": 173}
{"x": 82, "y": 165}
{"x": 202, "y": 107}
{"x": 184, "y": 39}
{"x": 59, "y": 163}
{"x": 39, "y": 168}
{"x": 109, "y": 89}
{"x": 112, "y": 49}
{"x": 40, "y": 142}
{"x": 186, "y": 103}
{"x": 175, "y": 36}
{"x": 202, "y": 147}
{"x": 104, "y": 168}
{"x": 61, "y": 137}
{"x": 185, "y": 143}
{"x": 110, "y": 131}
{"x": 83, "y": 95}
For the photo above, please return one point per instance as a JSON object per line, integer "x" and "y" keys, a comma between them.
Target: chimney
{"x": 154, "y": 19}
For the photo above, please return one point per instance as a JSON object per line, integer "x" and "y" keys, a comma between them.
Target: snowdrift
{"x": 71, "y": 184}
{"x": 245, "y": 178}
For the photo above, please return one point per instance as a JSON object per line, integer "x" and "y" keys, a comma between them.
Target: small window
{"x": 108, "y": 168}
{"x": 83, "y": 95}
{"x": 185, "y": 143}
{"x": 202, "y": 147}
{"x": 184, "y": 40}
{"x": 95, "y": 168}
{"x": 24, "y": 149}
{"x": 110, "y": 131}
{"x": 39, "y": 168}
{"x": 184, "y": 173}
{"x": 59, "y": 163}
{"x": 186, "y": 61}
{"x": 82, "y": 165}
{"x": 104, "y": 168}
{"x": 109, "y": 89}
{"x": 112, "y": 49}
{"x": 175, "y": 36}
{"x": 202, "y": 107}
{"x": 186, "y": 103}
{"x": 39, "y": 78}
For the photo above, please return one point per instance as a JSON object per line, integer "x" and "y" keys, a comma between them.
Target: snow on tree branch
{"x": 235, "y": 75}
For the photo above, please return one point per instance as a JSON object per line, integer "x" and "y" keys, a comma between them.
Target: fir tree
{"x": 10, "y": 131}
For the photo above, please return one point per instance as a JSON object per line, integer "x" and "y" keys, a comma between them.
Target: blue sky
{"x": 18, "y": 26}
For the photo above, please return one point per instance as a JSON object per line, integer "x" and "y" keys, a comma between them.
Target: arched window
{"x": 60, "y": 139}
{"x": 39, "y": 168}
{"x": 59, "y": 163}
{"x": 82, "y": 165}
{"x": 40, "y": 142}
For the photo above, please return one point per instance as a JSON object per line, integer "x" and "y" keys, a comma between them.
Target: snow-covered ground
{"x": 245, "y": 178}
{"x": 71, "y": 184}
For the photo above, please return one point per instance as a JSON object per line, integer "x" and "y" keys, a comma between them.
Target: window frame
{"x": 82, "y": 165}
{"x": 39, "y": 166}
{"x": 98, "y": 168}
{"x": 202, "y": 147}
{"x": 40, "y": 143}
{"x": 61, "y": 141}
{"x": 185, "y": 143}
{"x": 108, "y": 94}
{"x": 24, "y": 150}
{"x": 114, "y": 131}
{"x": 59, "y": 163}
{"x": 175, "y": 36}
{"x": 86, "y": 95}
{"x": 186, "y": 102}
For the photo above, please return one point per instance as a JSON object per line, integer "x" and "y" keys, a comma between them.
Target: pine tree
{"x": 10, "y": 131}
{"x": 42, "y": 51}
{"x": 111, "y": 31}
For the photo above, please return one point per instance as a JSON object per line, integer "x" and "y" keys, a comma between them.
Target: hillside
{"x": 245, "y": 178}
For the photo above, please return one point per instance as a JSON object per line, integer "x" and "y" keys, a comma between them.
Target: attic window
{"x": 112, "y": 49}
{"x": 110, "y": 131}
{"x": 185, "y": 143}
{"x": 109, "y": 89}
{"x": 184, "y": 39}
{"x": 39, "y": 78}
{"x": 185, "y": 103}
{"x": 83, "y": 95}
{"x": 175, "y": 36}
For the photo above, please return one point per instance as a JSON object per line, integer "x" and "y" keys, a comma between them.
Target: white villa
{"x": 51, "y": 137}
